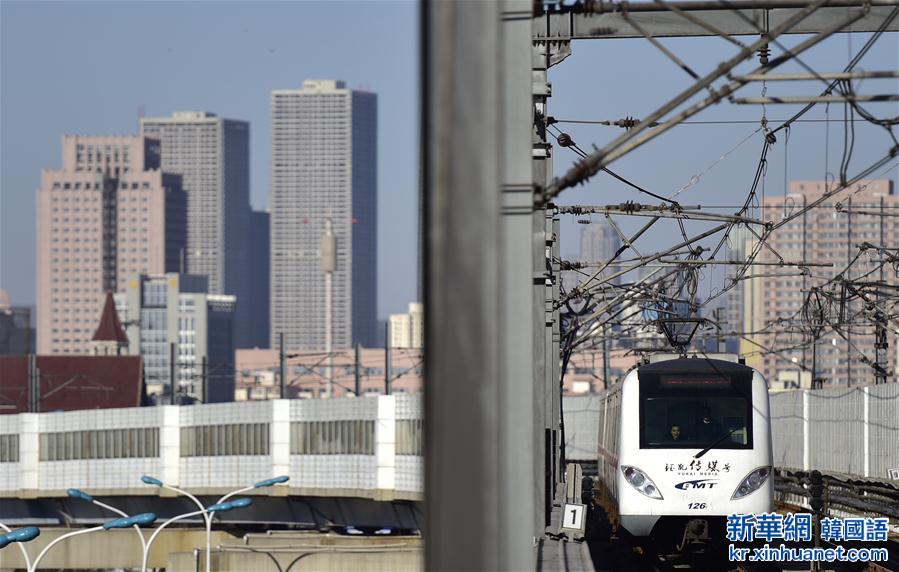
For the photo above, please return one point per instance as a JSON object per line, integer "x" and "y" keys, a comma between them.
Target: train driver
{"x": 675, "y": 433}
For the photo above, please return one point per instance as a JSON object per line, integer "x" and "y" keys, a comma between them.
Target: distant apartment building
{"x": 408, "y": 330}
{"x": 108, "y": 213}
{"x": 212, "y": 156}
{"x": 172, "y": 315}
{"x": 828, "y": 234}
{"x": 258, "y": 373}
{"x": 324, "y": 165}
{"x": 16, "y": 333}
{"x": 599, "y": 242}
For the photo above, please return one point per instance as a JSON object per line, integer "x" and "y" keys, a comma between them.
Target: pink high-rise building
{"x": 787, "y": 307}
{"x": 107, "y": 214}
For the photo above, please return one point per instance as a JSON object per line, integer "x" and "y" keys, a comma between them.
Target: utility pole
{"x": 848, "y": 277}
{"x": 388, "y": 373}
{"x": 720, "y": 321}
{"x": 880, "y": 332}
{"x": 205, "y": 380}
{"x": 34, "y": 385}
{"x": 172, "y": 371}
{"x": 606, "y": 372}
{"x": 358, "y": 370}
{"x": 283, "y": 365}
{"x": 329, "y": 263}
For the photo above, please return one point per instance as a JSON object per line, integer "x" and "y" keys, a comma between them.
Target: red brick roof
{"x": 110, "y": 328}
{"x": 70, "y": 383}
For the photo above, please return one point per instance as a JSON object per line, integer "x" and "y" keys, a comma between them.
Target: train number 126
{"x": 696, "y": 506}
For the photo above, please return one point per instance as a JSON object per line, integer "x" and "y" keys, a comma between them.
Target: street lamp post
{"x": 19, "y": 536}
{"x": 211, "y": 509}
{"x": 207, "y": 516}
{"x": 125, "y": 522}
{"x": 81, "y": 495}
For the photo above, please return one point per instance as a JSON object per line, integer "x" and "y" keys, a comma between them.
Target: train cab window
{"x": 693, "y": 409}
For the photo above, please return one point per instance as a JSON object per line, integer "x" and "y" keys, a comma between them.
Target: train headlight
{"x": 752, "y": 482}
{"x": 638, "y": 479}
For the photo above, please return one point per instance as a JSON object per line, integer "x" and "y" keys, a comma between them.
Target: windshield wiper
{"x": 712, "y": 446}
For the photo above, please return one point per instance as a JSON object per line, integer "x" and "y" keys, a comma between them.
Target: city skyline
{"x": 258, "y": 44}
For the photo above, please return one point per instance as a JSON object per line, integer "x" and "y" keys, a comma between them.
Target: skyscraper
{"x": 324, "y": 165}
{"x": 108, "y": 213}
{"x": 598, "y": 242}
{"x": 212, "y": 155}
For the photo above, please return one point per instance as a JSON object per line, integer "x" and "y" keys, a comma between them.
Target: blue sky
{"x": 87, "y": 67}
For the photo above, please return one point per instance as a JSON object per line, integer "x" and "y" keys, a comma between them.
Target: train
{"x": 684, "y": 442}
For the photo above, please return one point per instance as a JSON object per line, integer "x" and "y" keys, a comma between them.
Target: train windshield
{"x": 693, "y": 410}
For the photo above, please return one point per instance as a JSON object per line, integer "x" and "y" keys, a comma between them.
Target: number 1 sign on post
{"x": 574, "y": 518}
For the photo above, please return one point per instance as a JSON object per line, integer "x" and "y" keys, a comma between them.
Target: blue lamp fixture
{"x": 19, "y": 535}
{"x": 143, "y": 519}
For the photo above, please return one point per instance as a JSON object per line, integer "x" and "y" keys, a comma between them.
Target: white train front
{"x": 682, "y": 444}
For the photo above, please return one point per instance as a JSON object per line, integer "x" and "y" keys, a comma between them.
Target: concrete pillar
{"x": 279, "y": 437}
{"x": 29, "y": 453}
{"x": 170, "y": 445}
{"x": 385, "y": 445}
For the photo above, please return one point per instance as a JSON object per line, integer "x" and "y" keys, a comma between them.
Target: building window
{"x": 408, "y": 437}
{"x": 348, "y": 437}
{"x": 136, "y": 442}
{"x": 225, "y": 440}
{"x": 9, "y": 448}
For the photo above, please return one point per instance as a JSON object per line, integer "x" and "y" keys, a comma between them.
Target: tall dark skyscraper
{"x": 324, "y": 165}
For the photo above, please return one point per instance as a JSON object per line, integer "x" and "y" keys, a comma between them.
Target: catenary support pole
{"x": 357, "y": 369}
{"x": 388, "y": 358}
{"x": 282, "y": 362}
{"x": 172, "y": 377}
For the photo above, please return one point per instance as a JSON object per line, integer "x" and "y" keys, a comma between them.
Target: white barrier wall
{"x": 851, "y": 431}
{"x": 367, "y": 447}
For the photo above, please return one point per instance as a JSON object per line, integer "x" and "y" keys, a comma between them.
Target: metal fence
{"x": 581, "y": 427}
{"x": 849, "y": 431}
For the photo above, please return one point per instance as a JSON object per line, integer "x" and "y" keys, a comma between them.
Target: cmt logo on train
{"x": 700, "y": 484}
